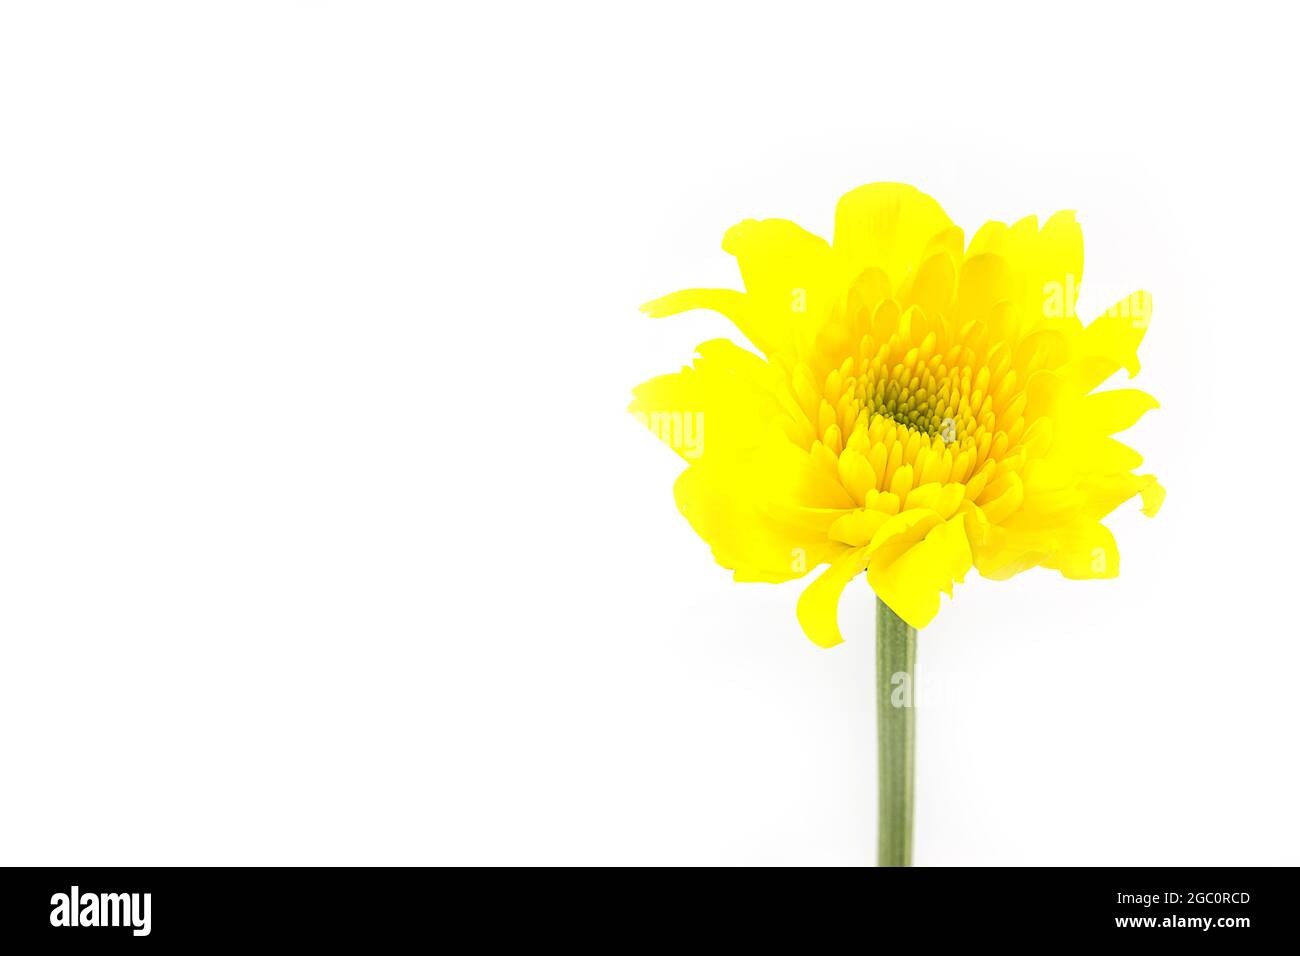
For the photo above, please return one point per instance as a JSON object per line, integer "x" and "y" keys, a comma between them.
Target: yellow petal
{"x": 1106, "y": 492}
{"x": 932, "y": 288}
{"x": 723, "y": 405}
{"x": 770, "y": 337}
{"x": 856, "y": 474}
{"x": 792, "y": 282}
{"x": 909, "y": 577}
{"x": 904, "y": 528}
{"x": 744, "y": 539}
{"x": 1002, "y": 498}
{"x": 1153, "y": 496}
{"x": 857, "y": 527}
{"x": 819, "y": 604}
{"x": 1085, "y": 549}
{"x": 986, "y": 281}
{"x": 889, "y": 226}
{"x": 1055, "y": 267}
{"x": 1111, "y": 341}
{"x": 1106, "y": 413}
{"x": 1006, "y": 552}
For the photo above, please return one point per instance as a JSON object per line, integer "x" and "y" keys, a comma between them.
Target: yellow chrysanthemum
{"x": 922, "y": 407}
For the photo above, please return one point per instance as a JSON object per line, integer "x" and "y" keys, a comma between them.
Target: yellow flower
{"x": 922, "y": 407}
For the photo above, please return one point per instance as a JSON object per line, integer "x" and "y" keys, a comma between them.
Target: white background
{"x": 324, "y": 535}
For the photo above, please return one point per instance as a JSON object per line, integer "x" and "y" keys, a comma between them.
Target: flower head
{"x": 920, "y": 407}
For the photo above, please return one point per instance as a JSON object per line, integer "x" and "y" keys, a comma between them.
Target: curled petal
{"x": 819, "y": 604}
{"x": 910, "y": 576}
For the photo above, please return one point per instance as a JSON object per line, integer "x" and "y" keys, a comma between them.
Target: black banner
{"x": 144, "y": 907}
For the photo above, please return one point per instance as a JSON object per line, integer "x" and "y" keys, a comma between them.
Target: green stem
{"x": 896, "y": 726}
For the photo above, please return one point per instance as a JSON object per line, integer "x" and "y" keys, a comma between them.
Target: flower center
{"x": 920, "y": 415}
{"x": 919, "y": 392}
{"x": 917, "y": 399}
